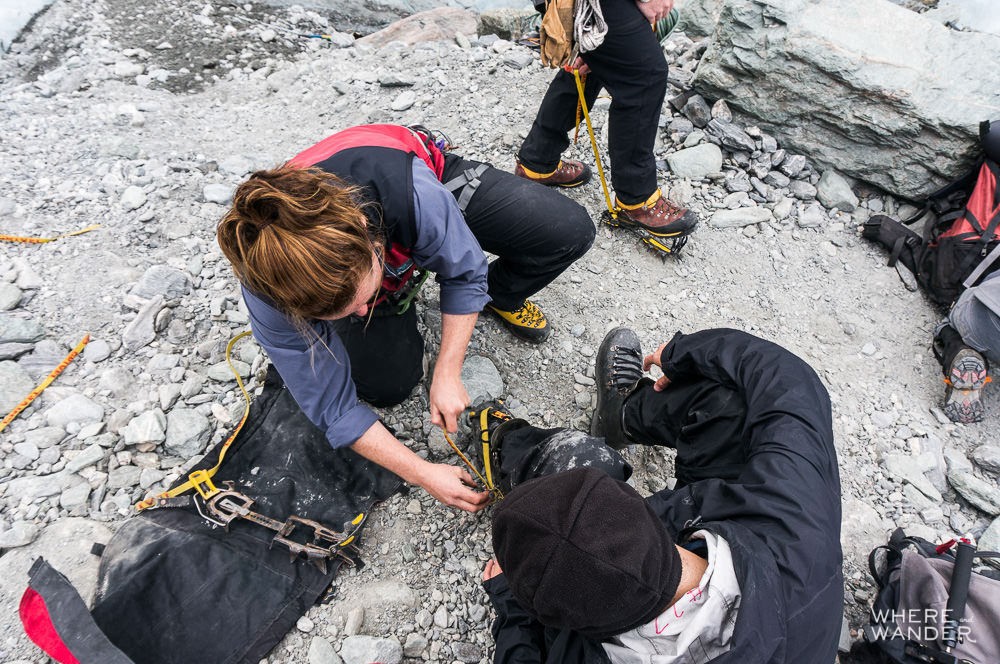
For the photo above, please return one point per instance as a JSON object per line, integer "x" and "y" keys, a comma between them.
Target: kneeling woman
{"x": 326, "y": 248}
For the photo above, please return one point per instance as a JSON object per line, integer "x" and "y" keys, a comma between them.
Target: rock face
{"x": 699, "y": 17}
{"x": 440, "y": 23}
{"x": 364, "y": 15}
{"x": 896, "y": 108}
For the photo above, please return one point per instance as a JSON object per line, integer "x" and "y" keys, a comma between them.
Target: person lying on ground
{"x": 327, "y": 248}
{"x": 739, "y": 562}
{"x": 630, "y": 64}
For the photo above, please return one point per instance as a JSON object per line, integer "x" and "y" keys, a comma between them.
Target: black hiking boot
{"x": 489, "y": 420}
{"x": 619, "y": 374}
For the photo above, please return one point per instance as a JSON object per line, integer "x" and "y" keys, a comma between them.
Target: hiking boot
{"x": 528, "y": 322}
{"x": 658, "y": 216}
{"x": 967, "y": 376}
{"x": 569, "y": 173}
{"x": 489, "y": 421}
{"x": 619, "y": 374}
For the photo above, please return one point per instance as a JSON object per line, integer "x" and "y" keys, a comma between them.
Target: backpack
{"x": 961, "y": 237}
{"x": 555, "y": 35}
{"x": 929, "y": 598}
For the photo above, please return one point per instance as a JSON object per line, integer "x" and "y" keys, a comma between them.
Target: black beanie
{"x": 583, "y": 551}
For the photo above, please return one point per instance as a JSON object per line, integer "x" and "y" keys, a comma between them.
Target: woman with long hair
{"x": 328, "y": 249}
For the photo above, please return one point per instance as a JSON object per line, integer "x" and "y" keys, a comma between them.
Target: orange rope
{"x": 45, "y": 383}
{"x": 43, "y": 240}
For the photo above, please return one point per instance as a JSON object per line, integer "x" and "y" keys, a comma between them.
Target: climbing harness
{"x": 45, "y": 383}
{"x": 401, "y": 299}
{"x": 43, "y": 240}
{"x": 485, "y": 477}
{"x": 666, "y": 244}
{"x": 468, "y": 182}
{"x": 222, "y": 506}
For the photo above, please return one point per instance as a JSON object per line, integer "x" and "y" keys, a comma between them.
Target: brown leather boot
{"x": 658, "y": 216}
{"x": 569, "y": 173}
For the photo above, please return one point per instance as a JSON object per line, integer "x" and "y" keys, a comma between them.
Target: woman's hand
{"x": 448, "y": 399}
{"x": 451, "y": 486}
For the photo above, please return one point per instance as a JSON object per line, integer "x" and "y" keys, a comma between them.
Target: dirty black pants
{"x": 631, "y": 66}
{"x": 700, "y": 418}
{"x": 536, "y": 234}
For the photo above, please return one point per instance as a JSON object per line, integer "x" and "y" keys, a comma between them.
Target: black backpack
{"x": 890, "y": 638}
{"x": 961, "y": 236}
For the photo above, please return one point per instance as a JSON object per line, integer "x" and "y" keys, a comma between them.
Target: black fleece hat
{"x": 583, "y": 551}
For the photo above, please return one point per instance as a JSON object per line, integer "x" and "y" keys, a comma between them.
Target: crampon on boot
{"x": 657, "y": 222}
{"x": 488, "y": 420}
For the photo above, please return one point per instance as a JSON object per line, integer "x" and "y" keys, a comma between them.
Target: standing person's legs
{"x": 535, "y": 232}
{"x": 703, "y": 420}
{"x": 631, "y": 66}
{"x": 386, "y": 352}
{"x": 549, "y": 137}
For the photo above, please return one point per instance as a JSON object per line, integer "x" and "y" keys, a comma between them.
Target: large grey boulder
{"x": 878, "y": 92}
{"x": 481, "y": 378}
{"x": 432, "y": 25}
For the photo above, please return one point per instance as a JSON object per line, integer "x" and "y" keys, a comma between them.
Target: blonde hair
{"x": 301, "y": 238}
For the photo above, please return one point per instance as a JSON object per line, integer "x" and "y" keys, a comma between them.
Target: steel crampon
{"x": 225, "y": 505}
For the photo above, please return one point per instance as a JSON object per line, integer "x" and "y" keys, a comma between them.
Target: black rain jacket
{"x": 781, "y": 517}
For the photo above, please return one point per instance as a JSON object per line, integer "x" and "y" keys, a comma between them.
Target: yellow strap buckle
{"x": 201, "y": 481}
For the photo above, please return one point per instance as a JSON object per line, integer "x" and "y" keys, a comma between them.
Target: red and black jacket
{"x": 379, "y": 159}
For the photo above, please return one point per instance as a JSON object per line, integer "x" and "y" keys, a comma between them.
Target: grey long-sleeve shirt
{"x": 317, "y": 370}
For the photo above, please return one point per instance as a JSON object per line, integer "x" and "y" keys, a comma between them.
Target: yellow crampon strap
{"x": 484, "y": 421}
{"x": 612, "y": 210}
{"x": 43, "y": 240}
{"x": 488, "y": 480}
{"x": 201, "y": 480}
{"x": 45, "y": 383}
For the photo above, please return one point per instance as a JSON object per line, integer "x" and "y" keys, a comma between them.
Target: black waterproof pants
{"x": 535, "y": 232}
{"x": 703, "y": 420}
{"x": 631, "y": 66}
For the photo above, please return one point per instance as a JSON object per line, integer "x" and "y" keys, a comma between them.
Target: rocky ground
{"x": 142, "y": 117}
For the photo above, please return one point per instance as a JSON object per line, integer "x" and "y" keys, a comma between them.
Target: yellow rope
{"x": 593, "y": 143}
{"x": 45, "y": 383}
{"x": 201, "y": 480}
{"x": 43, "y": 240}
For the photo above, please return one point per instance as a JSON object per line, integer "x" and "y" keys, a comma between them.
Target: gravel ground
{"x": 143, "y": 116}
